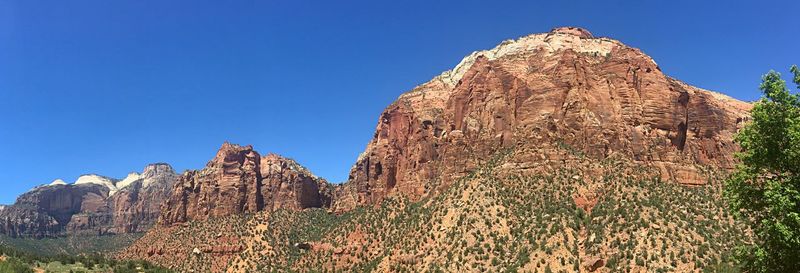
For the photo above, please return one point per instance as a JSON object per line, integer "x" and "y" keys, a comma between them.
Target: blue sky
{"x": 109, "y": 86}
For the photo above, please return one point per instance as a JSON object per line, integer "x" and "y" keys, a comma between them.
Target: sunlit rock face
{"x": 137, "y": 206}
{"x": 238, "y": 180}
{"x": 93, "y": 205}
{"x": 562, "y": 88}
{"x": 47, "y": 211}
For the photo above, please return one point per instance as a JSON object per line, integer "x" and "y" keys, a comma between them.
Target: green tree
{"x": 14, "y": 265}
{"x": 765, "y": 188}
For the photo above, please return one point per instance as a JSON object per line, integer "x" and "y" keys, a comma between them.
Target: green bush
{"x": 14, "y": 265}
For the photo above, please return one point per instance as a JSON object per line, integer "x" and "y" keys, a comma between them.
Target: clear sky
{"x": 109, "y": 86}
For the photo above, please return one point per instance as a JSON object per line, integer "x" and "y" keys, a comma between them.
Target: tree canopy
{"x": 765, "y": 187}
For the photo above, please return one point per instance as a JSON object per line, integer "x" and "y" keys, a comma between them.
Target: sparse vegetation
{"x": 493, "y": 222}
{"x": 13, "y": 260}
{"x": 71, "y": 245}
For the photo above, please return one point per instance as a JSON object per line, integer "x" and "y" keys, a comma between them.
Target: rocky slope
{"x": 237, "y": 183}
{"x": 586, "y": 215}
{"x": 563, "y": 87}
{"x": 92, "y": 205}
{"x": 238, "y": 180}
{"x": 555, "y": 152}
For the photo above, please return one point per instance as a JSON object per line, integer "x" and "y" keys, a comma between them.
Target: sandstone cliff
{"x": 557, "y": 151}
{"x": 562, "y": 88}
{"x": 137, "y": 207}
{"x": 48, "y": 210}
{"x": 238, "y": 180}
{"x": 92, "y": 205}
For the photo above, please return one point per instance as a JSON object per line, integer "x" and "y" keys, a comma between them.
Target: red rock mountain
{"x": 93, "y": 205}
{"x": 533, "y": 95}
{"x": 548, "y": 129}
{"x": 239, "y": 180}
{"x": 47, "y": 211}
{"x": 565, "y": 87}
{"x": 137, "y": 207}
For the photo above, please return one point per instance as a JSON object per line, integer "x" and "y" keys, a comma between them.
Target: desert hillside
{"x": 553, "y": 152}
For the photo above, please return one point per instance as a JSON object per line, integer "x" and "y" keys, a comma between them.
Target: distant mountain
{"x": 94, "y": 204}
{"x": 238, "y": 180}
{"x": 137, "y": 205}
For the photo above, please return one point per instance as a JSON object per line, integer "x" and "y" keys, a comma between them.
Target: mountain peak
{"x": 156, "y": 168}
{"x": 132, "y": 177}
{"x": 233, "y": 146}
{"x": 596, "y": 95}
{"x": 109, "y": 183}
{"x": 271, "y": 161}
{"x": 577, "y": 31}
{"x": 238, "y": 180}
{"x": 230, "y": 152}
{"x": 576, "y": 39}
{"x": 57, "y": 182}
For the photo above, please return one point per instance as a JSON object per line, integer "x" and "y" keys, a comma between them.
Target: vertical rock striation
{"x": 238, "y": 180}
{"x": 91, "y": 206}
{"x": 562, "y": 88}
{"x": 138, "y": 206}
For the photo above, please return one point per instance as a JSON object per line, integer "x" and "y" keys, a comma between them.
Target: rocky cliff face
{"x": 292, "y": 186}
{"x": 238, "y": 180}
{"x": 93, "y": 205}
{"x": 48, "y": 210}
{"x": 545, "y": 130}
{"x": 563, "y": 88}
{"x": 137, "y": 207}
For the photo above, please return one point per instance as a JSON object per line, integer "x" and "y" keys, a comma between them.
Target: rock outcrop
{"x": 543, "y": 129}
{"x": 137, "y": 206}
{"x": 49, "y": 210}
{"x": 291, "y": 186}
{"x": 564, "y": 88}
{"x": 92, "y": 205}
{"x": 238, "y": 180}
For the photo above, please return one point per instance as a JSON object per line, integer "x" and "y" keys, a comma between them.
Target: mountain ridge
{"x": 92, "y": 205}
{"x": 552, "y": 72}
{"x": 556, "y": 150}
{"x": 239, "y": 180}
{"x": 546, "y": 152}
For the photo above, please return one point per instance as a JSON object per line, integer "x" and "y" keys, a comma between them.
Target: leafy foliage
{"x": 765, "y": 188}
{"x": 71, "y": 245}
{"x": 13, "y": 265}
{"x": 21, "y": 261}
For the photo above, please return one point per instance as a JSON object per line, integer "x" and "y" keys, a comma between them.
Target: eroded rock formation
{"x": 93, "y": 205}
{"x": 49, "y": 210}
{"x": 138, "y": 206}
{"x": 238, "y": 180}
{"x": 563, "y": 88}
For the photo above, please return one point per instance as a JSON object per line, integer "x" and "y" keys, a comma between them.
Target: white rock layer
{"x": 98, "y": 180}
